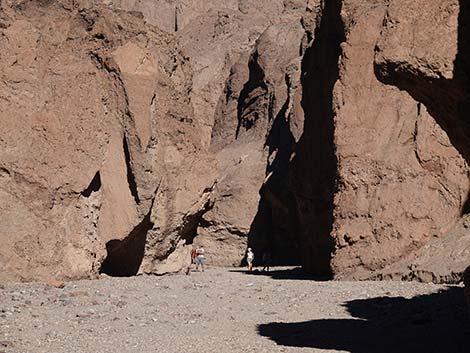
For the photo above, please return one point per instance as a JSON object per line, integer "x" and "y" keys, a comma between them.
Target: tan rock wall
{"x": 401, "y": 181}
{"x": 88, "y": 140}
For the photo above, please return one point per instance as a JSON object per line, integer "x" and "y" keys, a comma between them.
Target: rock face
{"x": 331, "y": 134}
{"x": 401, "y": 180}
{"x": 98, "y": 144}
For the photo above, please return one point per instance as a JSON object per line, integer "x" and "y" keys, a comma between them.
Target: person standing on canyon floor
{"x": 193, "y": 260}
{"x": 200, "y": 257}
{"x": 250, "y": 256}
{"x": 266, "y": 260}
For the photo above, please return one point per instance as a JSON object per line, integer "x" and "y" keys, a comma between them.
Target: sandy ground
{"x": 227, "y": 310}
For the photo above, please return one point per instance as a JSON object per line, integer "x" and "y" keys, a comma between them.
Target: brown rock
{"x": 401, "y": 181}
{"x": 441, "y": 260}
{"x": 79, "y": 293}
{"x": 88, "y": 142}
{"x": 55, "y": 283}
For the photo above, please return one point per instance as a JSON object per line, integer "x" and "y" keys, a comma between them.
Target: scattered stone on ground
{"x": 228, "y": 310}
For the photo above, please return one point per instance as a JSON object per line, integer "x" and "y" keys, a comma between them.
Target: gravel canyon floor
{"x": 228, "y": 310}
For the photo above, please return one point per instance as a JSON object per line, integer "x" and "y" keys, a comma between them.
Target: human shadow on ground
{"x": 296, "y": 273}
{"x": 429, "y": 323}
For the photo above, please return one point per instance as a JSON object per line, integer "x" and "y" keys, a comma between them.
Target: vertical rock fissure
{"x": 313, "y": 172}
{"x": 176, "y": 18}
{"x": 130, "y": 175}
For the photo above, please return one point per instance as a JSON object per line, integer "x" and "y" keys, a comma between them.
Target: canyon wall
{"x": 99, "y": 148}
{"x": 401, "y": 181}
{"x": 331, "y": 134}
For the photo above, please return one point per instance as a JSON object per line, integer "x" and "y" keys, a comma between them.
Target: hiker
{"x": 193, "y": 260}
{"x": 249, "y": 259}
{"x": 200, "y": 258}
{"x": 266, "y": 260}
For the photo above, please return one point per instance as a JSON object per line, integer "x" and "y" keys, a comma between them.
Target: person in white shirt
{"x": 200, "y": 258}
{"x": 250, "y": 256}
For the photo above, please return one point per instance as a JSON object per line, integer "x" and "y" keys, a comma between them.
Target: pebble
{"x": 86, "y": 313}
{"x": 6, "y": 344}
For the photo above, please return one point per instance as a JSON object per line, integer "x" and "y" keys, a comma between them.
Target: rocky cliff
{"x": 101, "y": 162}
{"x": 329, "y": 133}
{"x": 402, "y": 182}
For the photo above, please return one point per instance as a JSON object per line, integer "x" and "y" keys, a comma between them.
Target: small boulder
{"x": 55, "y": 283}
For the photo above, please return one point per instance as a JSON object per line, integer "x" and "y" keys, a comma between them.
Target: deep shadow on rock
{"x": 125, "y": 257}
{"x": 428, "y": 323}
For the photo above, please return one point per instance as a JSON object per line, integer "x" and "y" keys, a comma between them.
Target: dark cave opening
{"x": 191, "y": 224}
{"x": 124, "y": 257}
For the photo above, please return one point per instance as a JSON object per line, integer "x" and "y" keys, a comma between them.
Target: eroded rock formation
{"x": 330, "y": 133}
{"x": 401, "y": 180}
{"x": 98, "y": 144}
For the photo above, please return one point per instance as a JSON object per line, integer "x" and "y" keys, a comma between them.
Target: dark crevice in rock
{"x": 176, "y": 19}
{"x": 466, "y": 208}
{"x": 95, "y": 185}
{"x": 269, "y": 231}
{"x": 313, "y": 173}
{"x": 294, "y": 219}
{"x": 130, "y": 175}
{"x": 4, "y": 171}
{"x": 124, "y": 257}
{"x": 249, "y": 95}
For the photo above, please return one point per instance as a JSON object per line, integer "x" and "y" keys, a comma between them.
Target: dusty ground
{"x": 225, "y": 310}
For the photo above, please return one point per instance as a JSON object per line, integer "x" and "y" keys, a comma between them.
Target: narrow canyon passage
{"x": 295, "y": 212}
